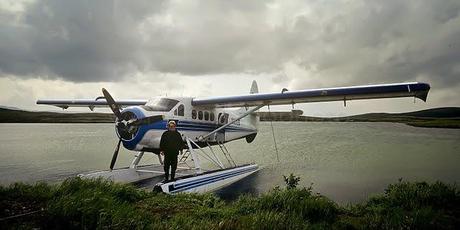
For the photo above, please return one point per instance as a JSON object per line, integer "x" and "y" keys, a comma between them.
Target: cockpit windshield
{"x": 160, "y": 104}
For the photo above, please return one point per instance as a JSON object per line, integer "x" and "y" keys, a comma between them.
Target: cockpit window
{"x": 160, "y": 104}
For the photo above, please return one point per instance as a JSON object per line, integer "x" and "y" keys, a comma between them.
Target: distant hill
{"x": 20, "y": 116}
{"x": 446, "y": 112}
{"x": 448, "y": 117}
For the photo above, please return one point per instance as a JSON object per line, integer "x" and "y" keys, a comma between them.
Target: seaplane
{"x": 208, "y": 124}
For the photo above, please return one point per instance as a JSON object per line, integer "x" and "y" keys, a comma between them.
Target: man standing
{"x": 170, "y": 145}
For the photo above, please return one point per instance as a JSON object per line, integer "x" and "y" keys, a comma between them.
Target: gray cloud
{"x": 74, "y": 40}
{"x": 335, "y": 42}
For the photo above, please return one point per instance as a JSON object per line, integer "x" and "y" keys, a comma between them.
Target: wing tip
{"x": 423, "y": 93}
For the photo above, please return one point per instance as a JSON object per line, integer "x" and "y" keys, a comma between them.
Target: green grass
{"x": 98, "y": 204}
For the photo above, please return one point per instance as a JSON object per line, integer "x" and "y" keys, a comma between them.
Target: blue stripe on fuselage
{"x": 182, "y": 125}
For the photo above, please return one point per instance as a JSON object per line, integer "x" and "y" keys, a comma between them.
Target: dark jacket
{"x": 171, "y": 142}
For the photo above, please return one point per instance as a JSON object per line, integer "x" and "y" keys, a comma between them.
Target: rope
{"x": 21, "y": 215}
{"x": 273, "y": 132}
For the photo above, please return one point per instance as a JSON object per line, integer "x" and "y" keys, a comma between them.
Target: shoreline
{"x": 428, "y": 124}
{"x": 448, "y": 117}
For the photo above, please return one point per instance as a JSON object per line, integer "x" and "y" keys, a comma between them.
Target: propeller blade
{"x": 112, "y": 104}
{"x": 115, "y": 155}
{"x": 147, "y": 120}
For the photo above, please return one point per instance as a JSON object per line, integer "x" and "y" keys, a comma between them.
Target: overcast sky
{"x": 141, "y": 49}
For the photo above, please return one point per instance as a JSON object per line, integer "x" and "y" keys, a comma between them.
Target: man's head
{"x": 172, "y": 126}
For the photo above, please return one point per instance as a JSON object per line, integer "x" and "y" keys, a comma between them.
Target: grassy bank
{"x": 77, "y": 203}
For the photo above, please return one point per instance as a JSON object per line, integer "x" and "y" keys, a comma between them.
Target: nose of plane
{"x": 133, "y": 125}
{"x": 124, "y": 127}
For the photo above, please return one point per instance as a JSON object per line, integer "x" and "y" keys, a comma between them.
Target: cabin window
{"x": 175, "y": 112}
{"x": 193, "y": 114}
{"x": 206, "y": 115}
{"x": 200, "y": 115}
{"x": 211, "y": 116}
{"x": 180, "y": 110}
{"x": 160, "y": 104}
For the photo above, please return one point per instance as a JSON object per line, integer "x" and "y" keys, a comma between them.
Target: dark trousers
{"x": 170, "y": 162}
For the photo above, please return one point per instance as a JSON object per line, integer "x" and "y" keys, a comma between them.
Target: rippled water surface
{"x": 345, "y": 161}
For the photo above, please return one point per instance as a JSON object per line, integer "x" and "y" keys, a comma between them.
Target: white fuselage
{"x": 192, "y": 122}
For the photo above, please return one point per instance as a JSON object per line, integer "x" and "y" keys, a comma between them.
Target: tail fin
{"x": 253, "y": 119}
{"x": 254, "y": 88}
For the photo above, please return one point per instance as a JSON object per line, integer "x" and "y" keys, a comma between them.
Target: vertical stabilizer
{"x": 253, "y": 119}
{"x": 254, "y": 87}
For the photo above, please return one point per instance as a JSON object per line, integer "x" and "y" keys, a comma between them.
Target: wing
{"x": 89, "y": 103}
{"x": 413, "y": 89}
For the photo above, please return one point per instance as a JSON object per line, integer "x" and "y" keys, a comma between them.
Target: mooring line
{"x": 21, "y": 215}
{"x": 273, "y": 132}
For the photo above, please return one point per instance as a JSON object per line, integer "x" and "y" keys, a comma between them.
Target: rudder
{"x": 254, "y": 88}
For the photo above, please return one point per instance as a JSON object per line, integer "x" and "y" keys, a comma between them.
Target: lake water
{"x": 345, "y": 161}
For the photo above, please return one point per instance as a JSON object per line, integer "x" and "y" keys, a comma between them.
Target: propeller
{"x": 133, "y": 122}
{"x": 124, "y": 123}
{"x": 112, "y": 104}
{"x": 115, "y": 155}
{"x": 127, "y": 127}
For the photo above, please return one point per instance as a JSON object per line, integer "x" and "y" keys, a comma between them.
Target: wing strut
{"x": 201, "y": 138}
